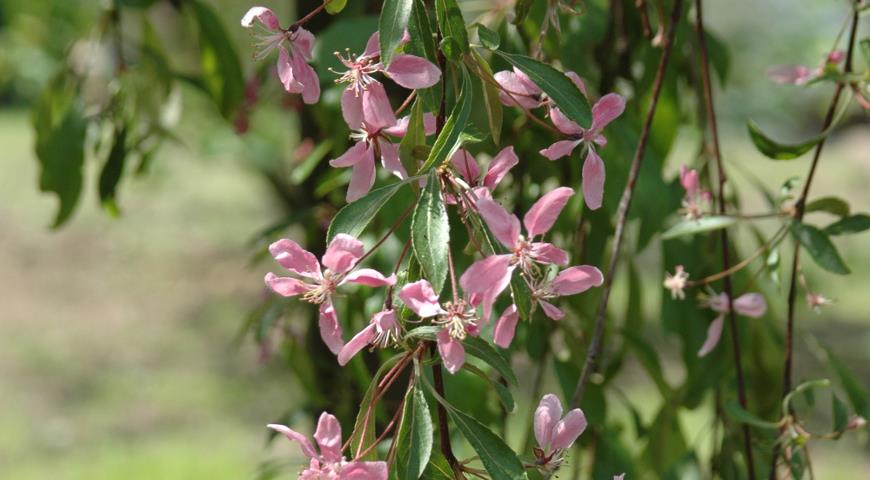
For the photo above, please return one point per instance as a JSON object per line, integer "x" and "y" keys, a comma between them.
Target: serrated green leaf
{"x": 693, "y": 227}
{"x": 112, "y": 171}
{"x": 334, "y": 7}
{"x": 833, "y": 205}
{"x": 392, "y": 25}
{"x": 452, "y": 24}
{"x": 430, "y": 233}
{"x": 448, "y": 140}
{"x": 499, "y": 460}
{"x": 479, "y": 348}
{"x": 220, "y": 68}
{"x": 738, "y": 414}
{"x": 414, "y": 438}
{"x": 820, "y": 247}
{"x": 776, "y": 150}
{"x": 555, "y": 84}
{"x": 353, "y": 218}
{"x": 852, "y": 224}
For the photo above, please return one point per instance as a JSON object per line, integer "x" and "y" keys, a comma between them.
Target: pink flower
{"x": 518, "y": 90}
{"x": 491, "y": 275}
{"x": 695, "y": 198}
{"x": 340, "y": 258}
{"x": 571, "y": 281}
{"x": 365, "y": 99}
{"x": 293, "y": 70}
{"x": 456, "y": 319}
{"x": 481, "y": 183}
{"x": 555, "y": 433}
{"x": 800, "y": 74}
{"x": 750, "y": 305}
{"x": 381, "y": 331}
{"x": 329, "y": 463}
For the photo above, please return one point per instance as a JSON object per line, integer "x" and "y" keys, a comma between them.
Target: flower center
{"x": 459, "y": 319}
{"x": 323, "y": 290}
{"x": 359, "y": 71}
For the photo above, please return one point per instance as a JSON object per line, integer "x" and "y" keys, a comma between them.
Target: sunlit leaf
{"x": 499, "y": 460}
{"x": 479, "y": 348}
{"x": 414, "y": 438}
{"x": 392, "y": 25}
{"x": 334, "y": 7}
{"x": 430, "y": 233}
{"x": 448, "y": 140}
{"x": 451, "y": 22}
{"x": 355, "y": 216}
{"x": 488, "y": 38}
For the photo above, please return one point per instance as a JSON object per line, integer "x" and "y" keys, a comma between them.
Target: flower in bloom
{"x": 295, "y": 73}
{"x": 457, "y": 320}
{"x": 380, "y": 332}
{"x": 364, "y": 98}
{"x": 695, "y": 197}
{"x": 676, "y": 283}
{"x": 555, "y": 433}
{"x": 801, "y": 74}
{"x": 816, "y": 301}
{"x": 750, "y": 304}
{"x": 327, "y": 462}
{"x": 319, "y": 285}
{"x": 480, "y": 183}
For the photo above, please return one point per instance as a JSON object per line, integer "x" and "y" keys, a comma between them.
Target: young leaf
{"x": 499, "y": 460}
{"x": 779, "y": 151}
{"x": 430, "y": 233}
{"x": 334, "y": 7}
{"x": 852, "y": 224}
{"x": 414, "y": 438}
{"x": 451, "y": 23}
{"x": 692, "y": 227}
{"x": 488, "y": 38}
{"x": 392, "y": 25}
{"x": 448, "y": 140}
{"x": 738, "y": 414}
{"x": 555, "y": 84}
{"x": 112, "y": 170}
{"x": 820, "y": 247}
{"x": 221, "y": 70}
{"x": 833, "y": 205}
{"x": 353, "y": 217}
{"x": 479, "y": 348}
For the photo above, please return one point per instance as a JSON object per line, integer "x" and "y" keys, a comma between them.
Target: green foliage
{"x": 820, "y": 247}
{"x": 430, "y": 233}
{"x": 700, "y": 225}
{"x": 499, "y": 460}
{"x": 221, "y": 72}
{"x": 448, "y": 140}
{"x": 392, "y": 25}
{"x": 776, "y": 150}
{"x": 414, "y": 438}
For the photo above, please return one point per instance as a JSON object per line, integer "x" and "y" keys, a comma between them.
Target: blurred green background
{"x": 118, "y": 356}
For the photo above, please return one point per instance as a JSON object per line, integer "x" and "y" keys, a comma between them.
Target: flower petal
{"x": 551, "y": 310}
{"x": 357, "y": 470}
{"x": 789, "y": 74}
{"x": 342, "y": 253}
{"x": 330, "y": 329}
{"x": 421, "y": 298}
{"x": 751, "y": 305}
{"x": 286, "y": 72}
{"x": 563, "y": 123}
{"x": 547, "y": 415}
{"x": 486, "y": 275}
{"x": 390, "y": 158}
{"x": 295, "y": 258}
{"x": 303, "y": 42}
{"x": 377, "y": 111}
{"x": 714, "y": 333}
{"x": 606, "y": 110}
{"x": 593, "y": 180}
{"x": 574, "y": 280}
{"x": 577, "y": 81}
{"x": 352, "y": 156}
{"x": 548, "y": 253}
{"x": 505, "y": 226}
{"x": 515, "y": 91}
{"x": 370, "y": 278}
{"x": 451, "y": 350}
{"x": 541, "y": 217}
{"x": 328, "y": 437}
{"x": 504, "y": 160}
{"x": 351, "y": 109}
{"x": 506, "y": 327}
{"x": 304, "y": 443}
{"x": 285, "y": 286}
{"x": 373, "y": 45}
{"x": 359, "y": 341}
{"x": 568, "y": 429}
{"x": 689, "y": 180}
{"x": 362, "y": 177}
{"x": 413, "y": 72}
{"x": 308, "y": 78}
{"x": 466, "y": 165}
{"x": 263, "y": 15}
{"x": 560, "y": 149}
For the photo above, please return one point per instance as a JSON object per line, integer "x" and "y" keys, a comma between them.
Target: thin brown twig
{"x": 622, "y": 213}
{"x": 302, "y": 21}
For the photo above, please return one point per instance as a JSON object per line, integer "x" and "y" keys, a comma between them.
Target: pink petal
{"x": 263, "y": 15}
{"x": 521, "y": 93}
{"x": 342, "y": 253}
{"x": 504, "y": 160}
{"x": 304, "y": 443}
{"x": 541, "y": 217}
{"x": 370, "y": 278}
{"x": 568, "y": 429}
{"x": 373, "y": 45}
{"x": 385, "y": 320}
{"x": 353, "y": 155}
{"x": 466, "y": 165}
{"x": 563, "y": 123}
{"x": 574, "y": 280}
{"x": 286, "y": 72}
{"x": 593, "y": 180}
{"x": 547, "y": 415}
{"x": 285, "y": 286}
{"x": 560, "y": 149}
{"x": 504, "y": 226}
{"x": 295, "y": 258}
{"x": 719, "y": 302}
{"x": 789, "y": 74}
{"x": 430, "y": 124}
{"x": 751, "y": 305}
{"x": 390, "y": 158}
{"x": 330, "y": 329}
{"x": 577, "y": 81}
{"x": 351, "y": 109}
{"x": 357, "y": 470}
{"x": 328, "y": 437}
{"x": 377, "y": 112}
{"x": 506, "y": 327}
{"x": 548, "y": 253}
{"x": 606, "y": 110}
{"x": 421, "y": 298}
{"x": 308, "y": 78}
{"x": 362, "y": 177}
{"x": 303, "y": 42}
{"x": 689, "y": 180}
{"x": 487, "y": 274}
{"x": 401, "y": 126}
{"x": 413, "y": 72}
{"x": 451, "y": 350}
{"x": 714, "y": 332}
{"x": 359, "y": 341}
{"x": 551, "y": 310}
{"x": 530, "y": 86}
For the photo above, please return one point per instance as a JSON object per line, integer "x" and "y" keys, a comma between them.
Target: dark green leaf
{"x": 479, "y": 348}
{"x": 360, "y": 440}
{"x": 692, "y": 227}
{"x": 426, "y": 332}
{"x": 451, "y": 22}
{"x": 490, "y": 97}
{"x": 852, "y": 224}
{"x": 855, "y": 391}
{"x": 448, "y": 140}
{"x": 221, "y": 70}
{"x": 414, "y": 137}
{"x": 779, "y": 151}
{"x": 438, "y": 468}
{"x": 839, "y": 414}
{"x": 112, "y": 171}
{"x": 503, "y": 392}
{"x": 521, "y": 10}
{"x": 556, "y": 85}
{"x": 423, "y": 45}
{"x": 392, "y": 25}
{"x": 820, "y": 247}
{"x": 430, "y": 233}
{"x": 522, "y": 297}
{"x": 450, "y": 47}
{"x": 353, "y": 218}
{"x": 414, "y": 438}
{"x": 499, "y": 460}
{"x": 488, "y": 38}
{"x": 334, "y": 7}
{"x": 833, "y": 205}
{"x": 136, "y": 3}
{"x": 738, "y": 414}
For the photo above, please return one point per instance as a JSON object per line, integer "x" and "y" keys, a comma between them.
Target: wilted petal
{"x": 303, "y": 42}
{"x": 560, "y": 149}
{"x": 606, "y": 110}
{"x": 506, "y": 327}
{"x": 504, "y": 160}
{"x": 551, "y": 310}
{"x": 302, "y": 440}
{"x": 285, "y": 286}
{"x": 295, "y": 258}
{"x": 359, "y": 341}
{"x": 330, "y": 329}
{"x": 377, "y": 112}
{"x": 574, "y": 280}
{"x": 543, "y": 252}
{"x": 486, "y": 275}
{"x": 342, "y": 253}
{"x": 505, "y": 226}
{"x": 563, "y": 123}
{"x": 421, "y": 298}
{"x": 370, "y": 278}
{"x": 568, "y": 429}
{"x": 413, "y": 72}
{"x": 466, "y": 165}
{"x": 593, "y": 180}
{"x": 789, "y": 74}
{"x": 362, "y": 177}
{"x": 714, "y": 333}
{"x": 451, "y": 350}
{"x": 390, "y": 158}
{"x": 364, "y": 471}
{"x": 351, "y": 109}
{"x": 547, "y": 415}
{"x": 541, "y": 217}
{"x": 751, "y": 305}
{"x": 263, "y": 15}
{"x": 328, "y": 437}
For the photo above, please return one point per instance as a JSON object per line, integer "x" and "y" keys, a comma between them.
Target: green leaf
{"x": 430, "y": 233}
{"x": 414, "y": 438}
{"x": 360, "y": 440}
{"x": 504, "y": 394}
{"x": 112, "y": 171}
{"x": 479, "y": 348}
{"x": 852, "y": 224}
{"x": 451, "y": 22}
{"x": 499, "y": 460}
{"x": 392, "y": 25}
{"x": 426, "y": 332}
{"x": 448, "y": 140}
{"x": 865, "y": 45}
{"x": 522, "y": 297}
{"x": 649, "y": 359}
{"x": 334, "y": 7}
{"x": 833, "y": 205}
{"x": 704, "y": 224}
{"x": 839, "y": 414}
{"x": 555, "y": 84}
{"x": 438, "y": 468}
{"x": 521, "y": 10}
{"x": 491, "y": 100}
{"x": 820, "y": 247}
{"x": 423, "y": 45}
{"x": 414, "y": 137}
{"x": 738, "y": 414}
{"x": 353, "y": 218}
{"x": 488, "y": 38}
{"x": 803, "y": 389}
{"x": 855, "y": 391}
{"x": 779, "y": 151}
{"x": 221, "y": 70}
{"x": 450, "y": 47}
